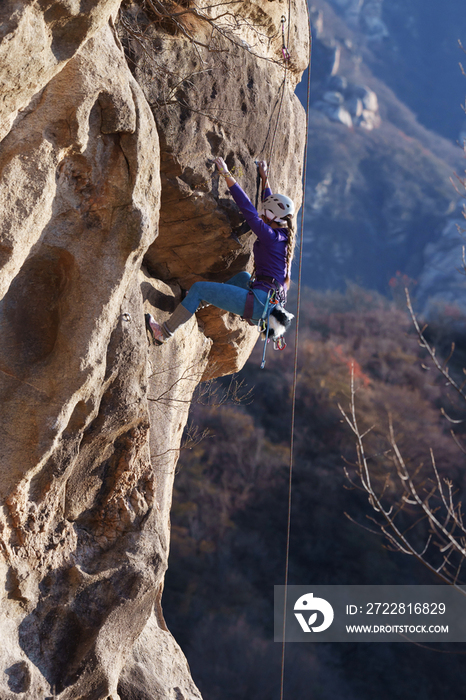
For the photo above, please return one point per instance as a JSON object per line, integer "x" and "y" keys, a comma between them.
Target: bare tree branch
{"x": 445, "y": 521}
{"x": 443, "y": 369}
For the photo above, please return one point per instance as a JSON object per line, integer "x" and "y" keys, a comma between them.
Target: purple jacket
{"x": 271, "y": 246}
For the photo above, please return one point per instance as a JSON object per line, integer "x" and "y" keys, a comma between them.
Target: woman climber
{"x": 273, "y": 252}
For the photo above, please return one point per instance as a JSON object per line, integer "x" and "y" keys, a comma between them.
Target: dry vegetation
{"x": 229, "y": 511}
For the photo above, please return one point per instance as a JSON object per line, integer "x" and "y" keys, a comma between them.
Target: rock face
{"x": 37, "y": 39}
{"x": 110, "y": 207}
{"x": 333, "y": 94}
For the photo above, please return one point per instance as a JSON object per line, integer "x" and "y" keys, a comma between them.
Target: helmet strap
{"x": 271, "y": 217}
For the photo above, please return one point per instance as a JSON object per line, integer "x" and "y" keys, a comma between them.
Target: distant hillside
{"x": 378, "y": 191}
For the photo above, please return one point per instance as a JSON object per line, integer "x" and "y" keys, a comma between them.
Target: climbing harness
{"x": 264, "y": 327}
{"x": 276, "y": 298}
{"x": 276, "y": 295}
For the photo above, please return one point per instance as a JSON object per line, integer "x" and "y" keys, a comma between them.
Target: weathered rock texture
{"x": 37, "y": 39}
{"x": 94, "y": 155}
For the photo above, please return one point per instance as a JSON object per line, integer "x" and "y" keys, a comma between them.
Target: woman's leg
{"x": 228, "y": 297}
{"x": 242, "y": 280}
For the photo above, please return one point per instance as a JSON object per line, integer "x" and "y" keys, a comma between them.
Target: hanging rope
{"x": 286, "y": 58}
{"x": 295, "y": 370}
{"x": 281, "y": 90}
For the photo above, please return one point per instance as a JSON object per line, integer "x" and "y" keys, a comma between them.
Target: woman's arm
{"x": 263, "y": 231}
{"x": 230, "y": 180}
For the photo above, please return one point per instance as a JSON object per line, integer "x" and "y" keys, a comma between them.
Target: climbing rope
{"x": 295, "y": 368}
{"x": 281, "y": 94}
{"x": 281, "y": 90}
{"x": 286, "y": 57}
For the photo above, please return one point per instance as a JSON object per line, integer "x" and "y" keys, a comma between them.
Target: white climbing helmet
{"x": 276, "y": 206}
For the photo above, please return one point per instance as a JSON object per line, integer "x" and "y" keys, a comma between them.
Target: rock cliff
{"x": 110, "y": 119}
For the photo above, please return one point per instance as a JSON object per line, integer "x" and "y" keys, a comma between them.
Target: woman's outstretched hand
{"x": 224, "y": 172}
{"x": 263, "y": 168}
{"x": 222, "y": 167}
{"x": 264, "y": 173}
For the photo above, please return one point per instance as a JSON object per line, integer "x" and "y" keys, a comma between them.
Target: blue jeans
{"x": 229, "y": 296}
